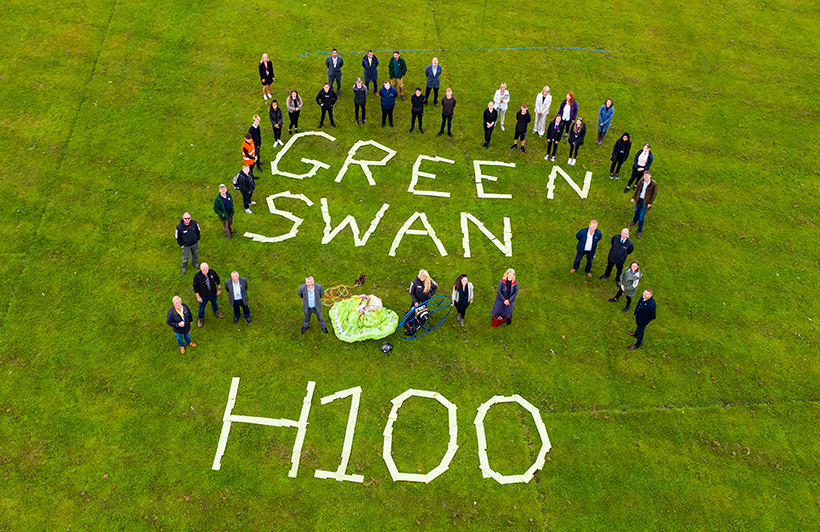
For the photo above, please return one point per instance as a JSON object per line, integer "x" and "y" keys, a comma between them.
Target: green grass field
{"x": 119, "y": 116}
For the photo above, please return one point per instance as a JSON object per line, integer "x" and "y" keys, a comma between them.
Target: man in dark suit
{"x": 620, "y": 249}
{"x": 311, "y": 294}
{"x": 334, "y": 65}
{"x": 370, "y": 64}
{"x": 237, "y": 289}
{"x": 644, "y": 313}
{"x": 587, "y": 244}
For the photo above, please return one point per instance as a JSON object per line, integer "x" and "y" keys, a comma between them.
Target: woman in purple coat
{"x": 505, "y": 295}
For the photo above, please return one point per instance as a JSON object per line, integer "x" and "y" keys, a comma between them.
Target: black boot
{"x": 613, "y": 300}
{"x": 509, "y": 320}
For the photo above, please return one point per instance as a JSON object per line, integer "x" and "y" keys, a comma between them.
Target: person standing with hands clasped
{"x": 644, "y": 313}
{"x": 490, "y": 118}
{"x": 501, "y": 99}
{"x": 448, "y": 106}
{"x": 246, "y": 183}
{"x": 326, "y": 99}
{"x": 505, "y": 296}
{"x": 334, "y": 64}
{"x": 417, "y": 111}
{"x": 237, "y": 290}
{"x": 522, "y": 120}
{"x": 388, "y": 102}
{"x": 576, "y": 140}
{"x": 605, "y": 114}
{"x": 187, "y": 235}
{"x": 568, "y": 112}
{"x": 360, "y": 100}
{"x": 266, "y": 74}
{"x": 433, "y": 73}
{"x": 179, "y": 319}
{"x": 543, "y": 101}
{"x": 370, "y": 65}
{"x": 397, "y": 69}
{"x": 643, "y": 198}
{"x": 620, "y": 153}
{"x": 256, "y": 136}
{"x": 207, "y": 289}
{"x": 628, "y": 284}
{"x": 621, "y": 248}
{"x": 587, "y": 245}
{"x": 294, "y": 105}
{"x": 276, "y": 121}
{"x": 553, "y": 138}
{"x": 462, "y": 296}
{"x": 223, "y": 207}
{"x": 643, "y": 161}
{"x": 311, "y": 294}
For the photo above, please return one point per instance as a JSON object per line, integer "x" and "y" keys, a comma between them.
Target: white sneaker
{"x": 569, "y": 162}
{"x": 265, "y": 96}
{"x": 281, "y": 143}
{"x": 553, "y": 157}
{"x": 547, "y": 157}
{"x": 502, "y": 127}
{"x": 248, "y": 211}
{"x": 253, "y": 203}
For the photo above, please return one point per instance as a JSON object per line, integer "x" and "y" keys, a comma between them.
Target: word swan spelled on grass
{"x": 355, "y": 395}
{"x": 504, "y": 244}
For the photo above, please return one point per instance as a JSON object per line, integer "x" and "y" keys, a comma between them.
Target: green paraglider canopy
{"x": 362, "y": 318}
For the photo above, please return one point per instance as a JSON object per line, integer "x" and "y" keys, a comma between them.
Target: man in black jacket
{"x": 644, "y": 313}
{"x": 179, "y": 319}
{"x": 206, "y": 288}
{"x": 256, "y": 135}
{"x": 621, "y": 248}
{"x": 417, "y": 102}
{"x": 187, "y": 235}
{"x": 326, "y": 100}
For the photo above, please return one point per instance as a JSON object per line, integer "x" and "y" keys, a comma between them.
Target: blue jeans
{"x": 205, "y": 299}
{"x": 640, "y": 213}
{"x": 183, "y": 339}
{"x": 577, "y": 261}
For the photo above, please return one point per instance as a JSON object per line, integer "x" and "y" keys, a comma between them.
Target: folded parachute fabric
{"x": 362, "y": 318}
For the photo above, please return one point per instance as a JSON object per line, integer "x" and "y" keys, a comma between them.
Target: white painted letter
{"x": 330, "y": 233}
{"x": 339, "y": 474}
{"x": 557, "y": 170}
{"x": 274, "y": 164}
{"x": 479, "y": 186}
{"x": 388, "y": 438}
{"x": 506, "y": 247}
{"x": 365, "y": 164}
{"x": 484, "y": 462}
{"x": 417, "y": 173}
{"x": 428, "y": 231}
{"x": 285, "y": 214}
{"x": 300, "y": 425}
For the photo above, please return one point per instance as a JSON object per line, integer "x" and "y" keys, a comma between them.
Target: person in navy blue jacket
{"x": 388, "y": 101}
{"x": 370, "y": 64}
{"x": 179, "y": 319}
{"x": 644, "y": 313}
{"x": 553, "y": 137}
{"x": 576, "y": 139}
{"x": 587, "y": 244}
{"x": 643, "y": 160}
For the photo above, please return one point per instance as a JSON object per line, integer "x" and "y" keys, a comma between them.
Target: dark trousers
{"x": 637, "y": 175}
{"x": 565, "y": 126}
{"x": 239, "y": 304}
{"x": 205, "y": 299}
{"x": 552, "y": 146}
{"x": 375, "y": 85}
{"x": 415, "y": 115}
{"x": 319, "y": 316}
{"x": 277, "y": 134}
{"x": 329, "y": 112}
{"x": 488, "y": 132}
{"x": 294, "y": 120}
{"x": 639, "y": 329}
{"x": 628, "y": 298}
{"x": 615, "y": 167}
{"x": 387, "y": 113}
{"x": 448, "y": 119}
{"x": 247, "y": 198}
{"x": 338, "y": 78}
{"x": 461, "y": 311}
{"x": 258, "y": 159}
{"x": 573, "y": 154}
{"x": 620, "y": 269}
{"x": 435, "y": 94}
{"x": 577, "y": 261}
{"x": 364, "y": 112}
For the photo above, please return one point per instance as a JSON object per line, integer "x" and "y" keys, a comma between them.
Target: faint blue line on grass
{"x": 468, "y": 50}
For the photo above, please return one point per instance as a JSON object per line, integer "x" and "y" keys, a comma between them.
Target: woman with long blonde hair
{"x": 422, "y": 288}
{"x": 266, "y": 75}
{"x": 505, "y": 296}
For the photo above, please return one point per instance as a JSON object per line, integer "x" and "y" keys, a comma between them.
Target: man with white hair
{"x": 179, "y": 319}
{"x": 621, "y": 247}
{"x": 311, "y": 294}
{"x": 433, "y": 73}
{"x": 206, "y": 288}
{"x": 543, "y": 101}
{"x": 237, "y": 289}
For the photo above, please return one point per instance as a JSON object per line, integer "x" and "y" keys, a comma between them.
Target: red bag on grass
{"x": 498, "y": 320}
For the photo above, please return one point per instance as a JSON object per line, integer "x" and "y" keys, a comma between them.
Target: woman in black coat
{"x": 576, "y": 139}
{"x": 422, "y": 288}
{"x": 553, "y": 137}
{"x": 266, "y": 75}
{"x": 620, "y": 153}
